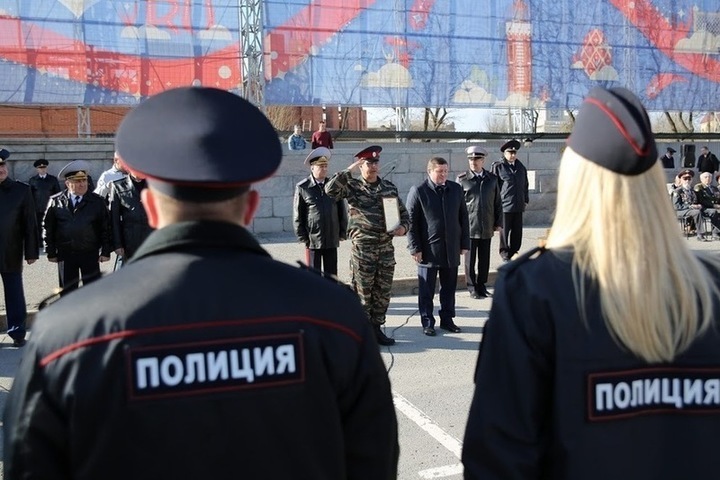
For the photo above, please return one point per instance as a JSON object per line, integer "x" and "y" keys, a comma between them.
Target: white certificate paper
{"x": 391, "y": 211}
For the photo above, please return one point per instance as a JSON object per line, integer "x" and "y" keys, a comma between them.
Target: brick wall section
{"x": 56, "y": 122}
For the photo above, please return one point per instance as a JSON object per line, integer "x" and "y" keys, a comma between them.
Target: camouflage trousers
{"x": 373, "y": 267}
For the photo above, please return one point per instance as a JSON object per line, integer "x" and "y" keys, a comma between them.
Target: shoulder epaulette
{"x": 462, "y": 176}
{"x": 524, "y": 258}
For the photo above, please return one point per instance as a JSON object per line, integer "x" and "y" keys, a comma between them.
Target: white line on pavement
{"x": 433, "y": 429}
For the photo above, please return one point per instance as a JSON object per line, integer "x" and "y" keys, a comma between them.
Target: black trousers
{"x": 477, "y": 264}
{"x": 511, "y": 234}
{"x": 324, "y": 259}
{"x": 75, "y": 264}
{"x": 427, "y": 277}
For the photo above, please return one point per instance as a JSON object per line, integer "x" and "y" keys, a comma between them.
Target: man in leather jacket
{"x": 128, "y": 218}
{"x": 184, "y": 363}
{"x": 77, "y": 229}
{"x": 18, "y": 239}
{"x": 320, "y": 221}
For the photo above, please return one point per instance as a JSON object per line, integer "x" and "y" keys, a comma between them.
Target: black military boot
{"x": 382, "y": 339}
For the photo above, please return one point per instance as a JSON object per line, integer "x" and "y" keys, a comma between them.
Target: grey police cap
{"x": 199, "y": 144}
{"x": 613, "y": 130}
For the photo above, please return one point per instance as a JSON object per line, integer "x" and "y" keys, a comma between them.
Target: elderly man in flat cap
{"x": 185, "y": 363}
{"x": 482, "y": 197}
{"x": 76, "y": 229}
{"x": 514, "y": 194}
{"x": 18, "y": 240}
{"x": 373, "y": 253}
{"x": 320, "y": 221}
{"x": 43, "y": 186}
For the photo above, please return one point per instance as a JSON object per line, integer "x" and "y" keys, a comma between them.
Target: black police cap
{"x": 41, "y": 163}
{"x": 4, "y": 155}
{"x": 671, "y": 150}
{"x": 510, "y": 145}
{"x": 613, "y": 130}
{"x": 199, "y": 144}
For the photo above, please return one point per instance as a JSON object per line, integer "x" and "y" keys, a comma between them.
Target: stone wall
{"x": 402, "y": 163}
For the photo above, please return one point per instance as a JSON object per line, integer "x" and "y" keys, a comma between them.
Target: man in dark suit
{"x": 18, "y": 239}
{"x": 438, "y": 235}
{"x": 43, "y": 186}
{"x": 514, "y": 194}
{"x": 482, "y": 197}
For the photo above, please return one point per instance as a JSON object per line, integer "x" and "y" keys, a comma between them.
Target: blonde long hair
{"x": 626, "y": 239}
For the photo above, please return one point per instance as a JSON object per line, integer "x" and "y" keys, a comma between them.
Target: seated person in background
{"x": 686, "y": 203}
{"x": 709, "y": 202}
{"x": 675, "y": 184}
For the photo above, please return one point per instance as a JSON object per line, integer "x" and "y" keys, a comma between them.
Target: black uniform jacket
{"x": 557, "y": 398}
{"x": 43, "y": 189}
{"x": 514, "y": 188}
{"x": 18, "y": 226}
{"x": 482, "y": 197}
{"x": 185, "y": 363}
{"x": 83, "y": 229}
{"x": 438, "y": 224}
{"x": 129, "y": 221}
{"x": 320, "y": 221}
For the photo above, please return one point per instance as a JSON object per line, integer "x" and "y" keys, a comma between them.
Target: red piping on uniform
{"x": 45, "y": 361}
{"x": 618, "y": 124}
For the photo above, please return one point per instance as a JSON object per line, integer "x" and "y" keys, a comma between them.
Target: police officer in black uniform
{"x": 43, "y": 186}
{"x": 129, "y": 221}
{"x": 184, "y": 363}
{"x": 607, "y": 366}
{"x": 514, "y": 194}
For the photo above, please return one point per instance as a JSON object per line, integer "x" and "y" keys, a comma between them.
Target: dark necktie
{"x": 77, "y": 200}
{"x": 440, "y": 189}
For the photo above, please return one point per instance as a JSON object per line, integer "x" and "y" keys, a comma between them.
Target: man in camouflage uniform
{"x": 373, "y": 255}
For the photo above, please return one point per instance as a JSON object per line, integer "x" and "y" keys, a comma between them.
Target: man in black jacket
{"x": 707, "y": 161}
{"x": 43, "y": 186}
{"x": 184, "y": 363}
{"x": 18, "y": 238}
{"x": 514, "y": 194}
{"x": 482, "y": 197}
{"x": 77, "y": 229}
{"x": 129, "y": 221}
{"x": 438, "y": 235}
{"x": 320, "y": 221}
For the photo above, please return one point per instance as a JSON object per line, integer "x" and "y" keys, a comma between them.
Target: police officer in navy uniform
{"x": 76, "y": 229}
{"x": 43, "y": 186}
{"x": 608, "y": 366}
{"x": 482, "y": 196}
{"x": 184, "y": 364}
{"x": 513, "y": 179}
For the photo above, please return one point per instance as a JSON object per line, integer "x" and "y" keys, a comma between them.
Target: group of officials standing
{"x": 184, "y": 364}
{"x": 443, "y": 220}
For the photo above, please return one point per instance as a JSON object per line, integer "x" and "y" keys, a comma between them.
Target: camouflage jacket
{"x": 366, "y": 220}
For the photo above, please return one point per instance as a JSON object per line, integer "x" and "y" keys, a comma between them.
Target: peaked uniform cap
{"x": 198, "y": 143}
{"x": 41, "y": 163}
{"x": 371, "y": 154}
{"x": 671, "y": 150}
{"x": 75, "y": 170}
{"x": 317, "y": 155}
{"x": 475, "y": 151}
{"x": 613, "y": 130}
{"x": 511, "y": 145}
{"x": 4, "y": 155}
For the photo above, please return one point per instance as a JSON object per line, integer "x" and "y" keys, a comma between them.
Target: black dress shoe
{"x": 485, "y": 293}
{"x": 429, "y": 331}
{"x": 475, "y": 294}
{"x": 450, "y": 327}
{"x": 19, "y": 342}
{"x": 383, "y": 339}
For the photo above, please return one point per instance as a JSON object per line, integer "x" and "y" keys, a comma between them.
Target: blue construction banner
{"x": 390, "y": 53}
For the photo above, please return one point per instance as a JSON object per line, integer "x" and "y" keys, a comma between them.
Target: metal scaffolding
{"x": 251, "y": 46}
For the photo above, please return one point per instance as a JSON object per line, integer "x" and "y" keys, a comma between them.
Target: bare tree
{"x": 679, "y": 122}
{"x": 283, "y": 117}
